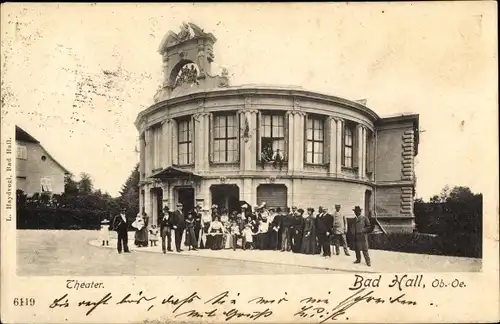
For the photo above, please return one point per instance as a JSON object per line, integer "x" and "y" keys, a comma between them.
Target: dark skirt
{"x": 297, "y": 241}
{"x": 141, "y": 237}
{"x": 308, "y": 244}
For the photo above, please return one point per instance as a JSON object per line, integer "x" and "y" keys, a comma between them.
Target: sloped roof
{"x": 24, "y": 136}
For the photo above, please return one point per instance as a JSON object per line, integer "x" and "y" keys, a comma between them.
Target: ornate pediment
{"x": 187, "y": 32}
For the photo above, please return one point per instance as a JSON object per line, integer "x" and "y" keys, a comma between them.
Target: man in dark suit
{"x": 166, "y": 230}
{"x": 178, "y": 224}
{"x": 324, "y": 225}
{"x": 361, "y": 230}
{"x": 120, "y": 225}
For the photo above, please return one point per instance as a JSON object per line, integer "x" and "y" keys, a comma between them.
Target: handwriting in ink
{"x": 196, "y": 314}
{"x": 311, "y": 300}
{"x": 103, "y": 301}
{"x": 262, "y": 300}
{"x": 401, "y": 301}
{"x": 60, "y": 302}
{"x": 352, "y": 300}
{"x": 180, "y": 302}
{"x": 126, "y": 299}
{"x": 252, "y": 315}
{"x": 219, "y": 299}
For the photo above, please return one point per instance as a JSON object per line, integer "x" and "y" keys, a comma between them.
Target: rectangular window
{"x": 348, "y": 145}
{"x": 185, "y": 141}
{"x": 315, "y": 140}
{"x": 225, "y": 145}
{"x": 46, "y": 185}
{"x": 21, "y": 152}
{"x": 272, "y": 136}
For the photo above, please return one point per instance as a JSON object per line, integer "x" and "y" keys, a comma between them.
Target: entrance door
{"x": 274, "y": 195}
{"x": 368, "y": 202}
{"x": 186, "y": 197}
{"x": 159, "y": 203}
{"x": 226, "y": 197}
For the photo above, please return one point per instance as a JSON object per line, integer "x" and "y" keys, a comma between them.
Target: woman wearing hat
{"x": 297, "y": 230}
{"x": 361, "y": 230}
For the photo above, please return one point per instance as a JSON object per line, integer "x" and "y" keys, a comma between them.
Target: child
{"x": 105, "y": 232}
{"x": 235, "y": 233}
{"x": 190, "y": 238}
{"x": 247, "y": 237}
{"x": 153, "y": 235}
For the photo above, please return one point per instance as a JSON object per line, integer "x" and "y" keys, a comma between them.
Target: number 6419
{"x": 24, "y": 301}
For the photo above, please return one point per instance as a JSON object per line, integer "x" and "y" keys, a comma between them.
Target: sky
{"x": 75, "y": 76}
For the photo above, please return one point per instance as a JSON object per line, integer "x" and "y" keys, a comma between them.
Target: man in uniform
{"x": 339, "y": 231}
{"x": 178, "y": 224}
{"x": 166, "y": 230}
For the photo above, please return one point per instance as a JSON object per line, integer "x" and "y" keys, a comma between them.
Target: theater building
{"x": 204, "y": 141}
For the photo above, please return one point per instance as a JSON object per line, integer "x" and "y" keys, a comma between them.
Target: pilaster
{"x": 332, "y": 149}
{"x": 201, "y": 138}
{"x": 142, "y": 157}
{"x": 340, "y": 129}
{"x": 248, "y": 136}
{"x": 166, "y": 143}
{"x": 299, "y": 140}
{"x": 359, "y": 138}
{"x": 149, "y": 151}
{"x": 407, "y": 159}
{"x": 292, "y": 139}
{"x": 165, "y": 187}
{"x": 174, "y": 142}
{"x": 148, "y": 203}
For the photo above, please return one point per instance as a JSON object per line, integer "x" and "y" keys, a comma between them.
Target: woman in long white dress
{"x": 206, "y": 219}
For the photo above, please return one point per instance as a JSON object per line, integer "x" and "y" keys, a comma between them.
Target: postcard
{"x": 249, "y": 162}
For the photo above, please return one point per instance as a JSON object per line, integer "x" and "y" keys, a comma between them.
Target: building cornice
{"x": 242, "y": 92}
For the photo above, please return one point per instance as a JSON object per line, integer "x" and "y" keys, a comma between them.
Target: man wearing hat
{"x": 339, "y": 231}
{"x": 178, "y": 224}
{"x": 120, "y": 225}
{"x": 361, "y": 230}
{"x": 166, "y": 230}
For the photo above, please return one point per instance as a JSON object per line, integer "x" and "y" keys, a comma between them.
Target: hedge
{"x": 460, "y": 245}
{"x": 59, "y": 218}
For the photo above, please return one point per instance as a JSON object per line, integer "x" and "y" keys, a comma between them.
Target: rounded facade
{"x": 204, "y": 142}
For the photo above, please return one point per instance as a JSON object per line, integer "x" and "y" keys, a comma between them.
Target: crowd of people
{"x": 295, "y": 230}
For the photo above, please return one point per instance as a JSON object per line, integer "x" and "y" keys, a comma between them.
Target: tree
{"x": 70, "y": 185}
{"x": 85, "y": 185}
{"x": 435, "y": 199}
{"x": 460, "y": 194}
{"x": 129, "y": 194}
